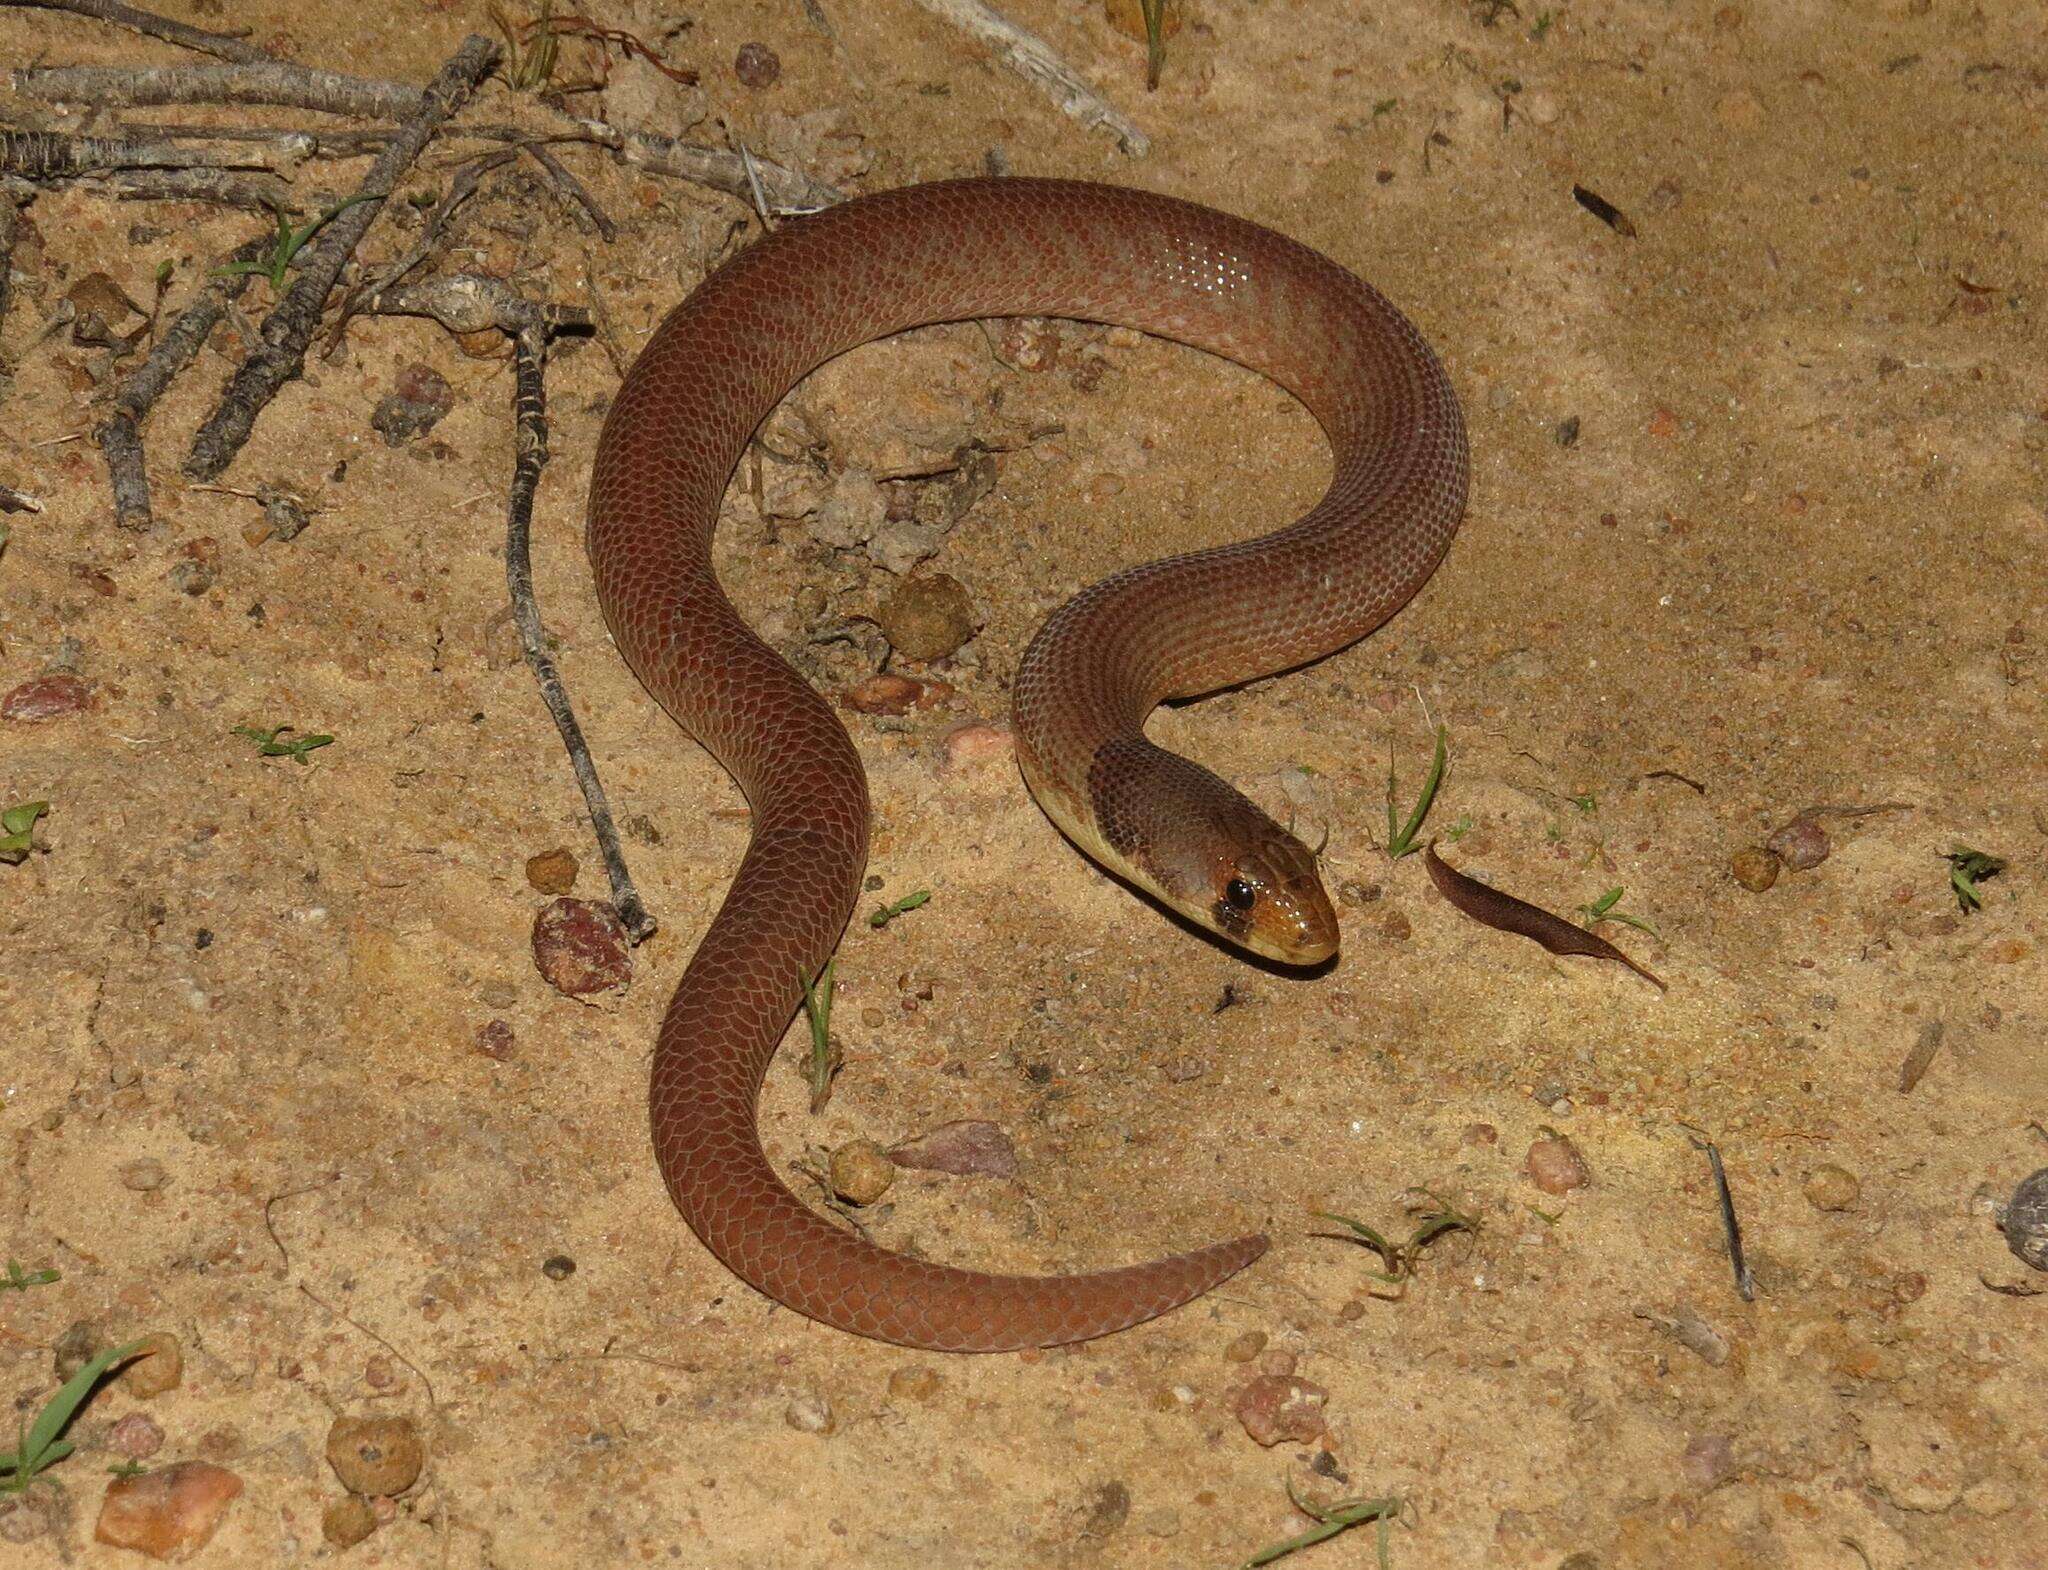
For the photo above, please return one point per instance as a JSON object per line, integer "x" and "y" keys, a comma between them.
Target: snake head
{"x": 1266, "y": 896}
{"x": 1179, "y": 832}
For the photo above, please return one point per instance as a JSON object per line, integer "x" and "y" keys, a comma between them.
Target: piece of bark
{"x": 1032, "y": 58}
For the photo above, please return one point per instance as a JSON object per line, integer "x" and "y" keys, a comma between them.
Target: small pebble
{"x": 928, "y": 617}
{"x": 158, "y": 1366}
{"x": 1279, "y": 1407}
{"x": 348, "y": 1521}
{"x": 419, "y": 398}
{"x": 192, "y": 577}
{"x": 886, "y": 693}
{"x": 47, "y": 697}
{"x": 918, "y": 1382}
{"x": 552, "y": 871}
{"x": 80, "y": 1343}
{"x": 1556, "y": 1167}
{"x": 136, "y": 1436}
{"x": 375, "y": 1455}
{"x": 1829, "y": 1187}
{"x": 810, "y": 1415}
{"x": 1109, "y": 1507}
{"x": 861, "y": 1172}
{"x": 494, "y": 1039}
{"x": 144, "y": 1175}
{"x": 167, "y": 1514}
{"x": 2025, "y": 1222}
{"x": 579, "y": 947}
{"x": 970, "y": 1147}
{"x": 756, "y": 65}
{"x": 977, "y": 743}
{"x": 1029, "y": 343}
{"x": 558, "y": 1267}
{"x": 1243, "y": 1348}
{"x": 1709, "y": 1459}
{"x": 1755, "y": 868}
{"x": 1479, "y": 1134}
{"x": 1800, "y": 844}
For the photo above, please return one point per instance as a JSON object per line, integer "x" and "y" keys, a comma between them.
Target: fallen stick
{"x": 223, "y": 45}
{"x": 258, "y": 193}
{"x": 270, "y": 82}
{"x": 1032, "y": 58}
{"x": 52, "y": 155}
{"x": 529, "y": 359}
{"x": 289, "y": 328}
{"x": 120, "y": 437}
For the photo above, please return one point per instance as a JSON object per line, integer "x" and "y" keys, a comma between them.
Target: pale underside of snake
{"x": 1179, "y": 627}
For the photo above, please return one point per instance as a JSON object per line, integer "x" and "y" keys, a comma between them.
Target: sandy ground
{"x": 1792, "y": 560}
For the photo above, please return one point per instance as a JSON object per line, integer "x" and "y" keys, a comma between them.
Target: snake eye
{"x": 1240, "y": 894}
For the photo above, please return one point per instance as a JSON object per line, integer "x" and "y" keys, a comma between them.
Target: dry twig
{"x": 222, "y": 45}
{"x": 289, "y": 328}
{"x": 1032, "y": 58}
{"x": 120, "y": 437}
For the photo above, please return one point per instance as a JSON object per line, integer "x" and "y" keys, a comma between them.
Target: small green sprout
{"x": 1602, "y": 909}
{"x": 1401, "y": 836}
{"x": 531, "y": 48}
{"x": 884, "y": 914}
{"x": 17, "y": 830}
{"x": 1334, "y": 1518}
{"x": 19, "y": 1280}
{"x": 1966, "y": 868}
{"x": 1434, "y": 1216}
{"x": 269, "y": 746}
{"x": 39, "y": 1446}
{"x": 129, "y": 1468}
{"x": 1459, "y": 830}
{"x": 1385, "y": 106}
{"x": 825, "y": 1055}
{"x": 1545, "y": 20}
{"x": 1587, "y": 803}
{"x": 288, "y": 241}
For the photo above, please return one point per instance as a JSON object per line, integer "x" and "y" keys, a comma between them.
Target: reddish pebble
{"x": 1800, "y": 844}
{"x": 1030, "y": 343}
{"x": 1755, "y": 868}
{"x": 579, "y": 946}
{"x": 1664, "y": 423}
{"x": 48, "y": 697}
{"x": 756, "y": 65}
{"x": 1480, "y": 1134}
{"x": 167, "y": 1514}
{"x": 968, "y": 1148}
{"x": 494, "y": 1039}
{"x": 1278, "y": 1407}
{"x": 1708, "y": 1460}
{"x": 977, "y": 743}
{"x": 884, "y": 694}
{"x": 1556, "y": 1167}
{"x": 136, "y": 1436}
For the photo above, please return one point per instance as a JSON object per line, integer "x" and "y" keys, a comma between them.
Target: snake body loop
{"x": 713, "y": 371}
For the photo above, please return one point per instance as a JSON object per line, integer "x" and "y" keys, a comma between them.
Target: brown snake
{"x": 953, "y": 251}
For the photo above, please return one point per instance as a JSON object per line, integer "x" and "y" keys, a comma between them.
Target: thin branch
{"x": 289, "y": 328}
{"x": 1032, "y": 58}
{"x": 582, "y": 202}
{"x": 784, "y": 190}
{"x": 271, "y": 82}
{"x": 120, "y": 437}
{"x": 258, "y": 193}
{"x": 472, "y": 303}
{"x": 529, "y": 349}
{"x": 51, "y": 155}
{"x": 222, "y": 45}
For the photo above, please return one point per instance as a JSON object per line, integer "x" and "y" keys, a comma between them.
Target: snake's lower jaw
{"x": 1302, "y": 952}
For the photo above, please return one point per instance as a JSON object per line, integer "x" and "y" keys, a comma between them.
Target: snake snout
{"x": 1293, "y": 921}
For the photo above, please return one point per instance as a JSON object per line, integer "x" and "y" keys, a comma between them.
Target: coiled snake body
{"x": 947, "y": 252}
